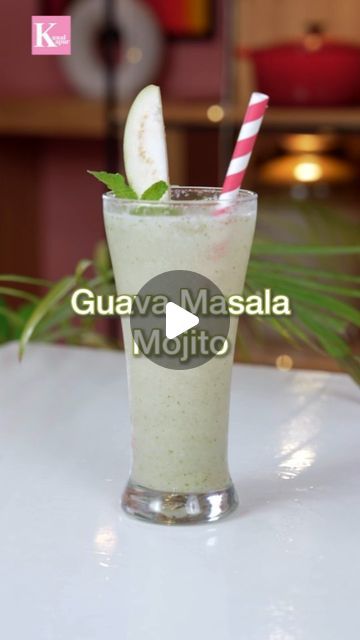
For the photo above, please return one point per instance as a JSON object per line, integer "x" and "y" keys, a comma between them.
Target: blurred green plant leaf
{"x": 333, "y": 344}
{"x": 38, "y": 282}
{"x": 298, "y": 292}
{"x": 275, "y": 249}
{"x": 322, "y": 313}
{"x": 4, "y": 321}
{"x": 301, "y": 270}
{"x": 23, "y": 313}
{"x": 101, "y": 258}
{"x": 17, "y": 293}
{"x": 55, "y": 293}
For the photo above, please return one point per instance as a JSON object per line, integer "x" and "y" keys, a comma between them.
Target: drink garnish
{"x": 117, "y": 184}
{"x": 145, "y": 151}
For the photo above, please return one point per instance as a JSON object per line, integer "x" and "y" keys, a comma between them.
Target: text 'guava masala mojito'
{"x": 179, "y": 416}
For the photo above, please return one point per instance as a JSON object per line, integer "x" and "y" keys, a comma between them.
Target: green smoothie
{"x": 180, "y": 417}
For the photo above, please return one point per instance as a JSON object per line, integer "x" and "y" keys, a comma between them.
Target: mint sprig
{"x": 156, "y": 191}
{"x": 116, "y": 183}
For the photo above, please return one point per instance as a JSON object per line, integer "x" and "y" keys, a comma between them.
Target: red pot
{"x": 293, "y": 75}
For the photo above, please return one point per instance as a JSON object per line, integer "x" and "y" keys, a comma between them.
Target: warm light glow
{"x": 308, "y": 142}
{"x": 284, "y": 362}
{"x": 305, "y": 169}
{"x": 134, "y": 55}
{"x": 215, "y": 113}
{"x": 308, "y": 171}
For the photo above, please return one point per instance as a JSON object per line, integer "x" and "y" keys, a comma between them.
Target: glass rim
{"x": 243, "y": 196}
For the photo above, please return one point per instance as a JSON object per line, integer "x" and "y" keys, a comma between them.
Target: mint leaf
{"x": 116, "y": 183}
{"x": 156, "y": 191}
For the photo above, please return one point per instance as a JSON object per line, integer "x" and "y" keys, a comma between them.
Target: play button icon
{"x": 178, "y": 320}
{"x": 171, "y": 324}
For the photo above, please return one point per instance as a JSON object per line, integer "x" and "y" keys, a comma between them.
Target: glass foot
{"x": 162, "y": 507}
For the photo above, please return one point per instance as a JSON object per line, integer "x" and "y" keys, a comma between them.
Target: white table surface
{"x": 284, "y": 566}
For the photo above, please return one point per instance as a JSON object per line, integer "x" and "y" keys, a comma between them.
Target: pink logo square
{"x": 51, "y": 35}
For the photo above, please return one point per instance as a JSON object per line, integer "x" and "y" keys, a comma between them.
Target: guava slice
{"x": 145, "y": 152}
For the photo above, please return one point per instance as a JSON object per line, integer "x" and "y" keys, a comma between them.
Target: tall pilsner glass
{"x": 179, "y": 417}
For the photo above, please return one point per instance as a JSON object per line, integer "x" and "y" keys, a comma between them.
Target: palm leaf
{"x": 275, "y": 249}
{"x": 320, "y": 299}
{"x": 273, "y": 267}
{"x": 298, "y": 292}
{"x": 37, "y": 282}
{"x": 12, "y": 316}
{"x": 16, "y": 293}
{"x": 303, "y": 283}
{"x": 55, "y": 293}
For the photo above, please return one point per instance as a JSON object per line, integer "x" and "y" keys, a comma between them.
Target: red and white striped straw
{"x": 243, "y": 148}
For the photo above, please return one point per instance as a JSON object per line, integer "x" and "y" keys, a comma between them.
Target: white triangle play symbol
{"x": 178, "y": 320}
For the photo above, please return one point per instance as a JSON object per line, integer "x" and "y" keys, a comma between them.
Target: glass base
{"x": 163, "y": 507}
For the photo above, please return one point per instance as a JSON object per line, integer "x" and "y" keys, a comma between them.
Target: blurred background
{"x": 61, "y": 115}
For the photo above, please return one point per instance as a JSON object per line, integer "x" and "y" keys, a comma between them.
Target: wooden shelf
{"x": 320, "y": 119}
{"x": 52, "y": 117}
{"x": 74, "y": 117}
